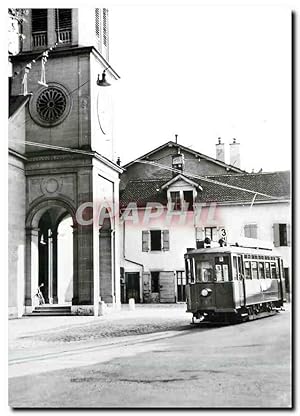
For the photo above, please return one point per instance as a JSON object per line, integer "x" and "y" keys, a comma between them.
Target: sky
{"x": 203, "y": 72}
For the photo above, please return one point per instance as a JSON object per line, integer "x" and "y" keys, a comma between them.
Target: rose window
{"x": 51, "y": 104}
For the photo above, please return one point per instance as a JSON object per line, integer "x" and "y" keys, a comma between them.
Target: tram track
{"x": 75, "y": 356}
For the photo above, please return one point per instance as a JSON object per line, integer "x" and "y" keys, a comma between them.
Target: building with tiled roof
{"x": 274, "y": 185}
{"x": 167, "y": 209}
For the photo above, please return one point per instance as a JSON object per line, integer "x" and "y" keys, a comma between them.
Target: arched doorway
{"x": 55, "y": 257}
{"x": 49, "y": 254}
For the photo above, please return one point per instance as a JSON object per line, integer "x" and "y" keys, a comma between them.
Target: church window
{"x": 50, "y": 106}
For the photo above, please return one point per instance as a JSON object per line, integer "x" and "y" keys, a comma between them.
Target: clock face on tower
{"x": 104, "y": 110}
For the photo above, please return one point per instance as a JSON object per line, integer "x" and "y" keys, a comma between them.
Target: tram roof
{"x": 234, "y": 249}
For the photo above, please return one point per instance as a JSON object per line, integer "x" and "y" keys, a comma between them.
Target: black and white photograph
{"x": 150, "y": 228}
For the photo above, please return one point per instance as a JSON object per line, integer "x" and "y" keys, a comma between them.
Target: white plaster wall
{"x": 86, "y": 32}
{"x": 264, "y": 215}
{"x": 101, "y": 98}
{"x": 233, "y": 218}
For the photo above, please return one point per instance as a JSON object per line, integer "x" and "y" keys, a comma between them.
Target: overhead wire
{"x": 188, "y": 174}
{"x": 204, "y": 178}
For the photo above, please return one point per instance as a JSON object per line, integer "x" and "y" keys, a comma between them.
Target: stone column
{"x": 75, "y": 265}
{"x": 83, "y": 288}
{"x": 54, "y": 266}
{"x": 105, "y": 256}
{"x": 113, "y": 263}
{"x": 50, "y": 267}
{"x": 32, "y": 268}
{"x": 51, "y": 32}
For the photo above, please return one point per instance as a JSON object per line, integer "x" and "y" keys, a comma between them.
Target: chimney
{"x": 220, "y": 151}
{"x": 235, "y": 158}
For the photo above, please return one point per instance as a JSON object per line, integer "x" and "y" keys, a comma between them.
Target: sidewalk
{"x": 144, "y": 318}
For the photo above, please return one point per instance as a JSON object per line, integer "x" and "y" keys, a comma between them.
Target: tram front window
{"x": 204, "y": 271}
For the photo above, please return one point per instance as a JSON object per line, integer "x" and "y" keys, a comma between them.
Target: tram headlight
{"x": 205, "y": 292}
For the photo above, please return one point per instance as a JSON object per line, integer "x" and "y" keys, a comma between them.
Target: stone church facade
{"x": 61, "y": 168}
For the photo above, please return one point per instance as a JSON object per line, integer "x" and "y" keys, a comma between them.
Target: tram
{"x": 230, "y": 284}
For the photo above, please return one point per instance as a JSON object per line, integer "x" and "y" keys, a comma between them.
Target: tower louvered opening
{"x": 39, "y": 26}
{"x": 105, "y": 27}
{"x": 101, "y": 28}
{"x": 63, "y": 25}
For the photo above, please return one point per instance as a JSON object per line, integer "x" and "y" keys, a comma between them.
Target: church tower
{"x": 68, "y": 50}
{"x": 63, "y": 69}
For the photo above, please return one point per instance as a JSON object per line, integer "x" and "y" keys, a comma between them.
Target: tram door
{"x": 132, "y": 283}
{"x": 237, "y": 275}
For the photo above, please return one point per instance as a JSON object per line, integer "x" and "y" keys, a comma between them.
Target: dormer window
{"x": 188, "y": 197}
{"x": 180, "y": 199}
{"x": 175, "y": 200}
{"x": 181, "y": 193}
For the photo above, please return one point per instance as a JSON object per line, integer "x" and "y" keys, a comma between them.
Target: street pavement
{"x": 149, "y": 358}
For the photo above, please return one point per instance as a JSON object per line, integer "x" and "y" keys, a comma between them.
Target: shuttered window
{"x": 281, "y": 235}
{"x": 211, "y": 233}
{"x": 166, "y": 240}
{"x": 145, "y": 240}
{"x": 155, "y": 237}
{"x": 155, "y": 240}
{"x": 250, "y": 230}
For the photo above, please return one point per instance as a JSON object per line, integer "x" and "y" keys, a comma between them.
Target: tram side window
{"x": 268, "y": 273}
{"x": 254, "y": 270}
{"x": 222, "y": 272}
{"x": 273, "y": 271}
{"x": 247, "y": 270}
{"x": 235, "y": 269}
{"x": 189, "y": 271}
{"x": 204, "y": 271}
{"x": 261, "y": 271}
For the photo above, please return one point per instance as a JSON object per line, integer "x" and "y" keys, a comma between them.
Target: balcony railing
{"x": 39, "y": 39}
{"x": 64, "y": 36}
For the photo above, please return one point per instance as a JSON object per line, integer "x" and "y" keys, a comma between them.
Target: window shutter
{"x": 288, "y": 234}
{"x": 166, "y": 240}
{"x": 253, "y": 231}
{"x": 145, "y": 240}
{"x": 105, "y": 27}
{"x": 250, "y": 230}
{"x": 199, "y": 233}
{"x": 97, "y": 23}
{"x": 276, "y": 235}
